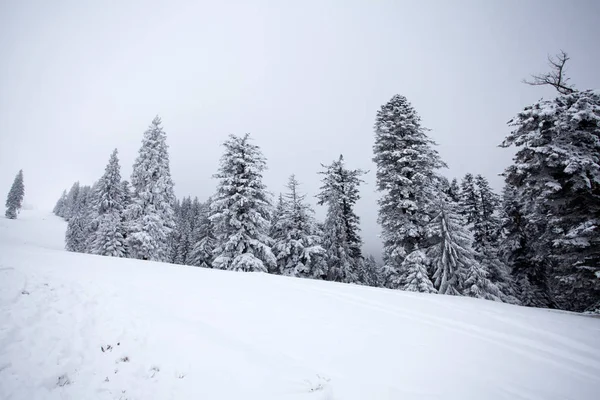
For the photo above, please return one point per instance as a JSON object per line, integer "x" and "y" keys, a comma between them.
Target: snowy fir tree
{"x": 109, "y": 238}
{"x": 486, "y": 239}
{"x": 454, "y": 191}
{"x": 126, "y": 192}
{"x": 416, "y": 276}
{"x": 371, "y": 273}
{"x": 203, "y": 238}
{"x": 182, "y": 240}
{"x": 297, "y": 247}
{"x": 406, "y": 164}
{"x": 276, "y": 231}
{"x": 517, "y": 250}
{"x": 14, "y": 200}
{"x": 453, "y": 261}
{"x": 241, "y": 209}
{"x": 556, "y": 180}
{"x": 77, "y": 234}
{"x": 150, "y": 216}
{"x": 71, "y": 203}
{"x": 59, "y": 208}
{"x": 341, "y": 232}
{"x": 469, "y": 199}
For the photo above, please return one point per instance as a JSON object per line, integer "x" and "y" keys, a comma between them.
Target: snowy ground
{"x": 76, "y": 326}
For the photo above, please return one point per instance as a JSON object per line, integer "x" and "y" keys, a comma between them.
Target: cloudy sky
{"x": 79, "y": 78}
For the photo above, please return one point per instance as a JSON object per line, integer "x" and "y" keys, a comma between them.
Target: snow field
{"x": 78, "y": 326}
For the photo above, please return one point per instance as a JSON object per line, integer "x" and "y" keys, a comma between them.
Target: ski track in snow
{"x": 76, "y": 326}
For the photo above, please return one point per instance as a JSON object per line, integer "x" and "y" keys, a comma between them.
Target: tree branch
{"x": 556, "y": 77}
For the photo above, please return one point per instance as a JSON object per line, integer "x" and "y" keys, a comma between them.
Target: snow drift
{"x": 78, "y": 326}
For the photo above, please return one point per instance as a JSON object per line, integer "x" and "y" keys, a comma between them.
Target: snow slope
{"x": 188, "y": 333}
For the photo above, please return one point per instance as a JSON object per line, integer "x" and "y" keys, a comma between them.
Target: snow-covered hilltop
{"x": 79, "y": 326}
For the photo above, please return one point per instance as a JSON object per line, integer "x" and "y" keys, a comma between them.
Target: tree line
{"x": 536, "y": 244}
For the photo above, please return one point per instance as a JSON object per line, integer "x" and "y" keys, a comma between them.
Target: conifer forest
{"x": 536, "y": 243}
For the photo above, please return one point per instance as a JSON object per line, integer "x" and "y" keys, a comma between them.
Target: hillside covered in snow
{"x": 78, "y": 326}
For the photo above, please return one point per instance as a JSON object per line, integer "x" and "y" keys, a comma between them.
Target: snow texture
{"x": 80, "y": 326}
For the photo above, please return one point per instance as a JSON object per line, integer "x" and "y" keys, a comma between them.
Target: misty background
{"x": 79, "y": 78}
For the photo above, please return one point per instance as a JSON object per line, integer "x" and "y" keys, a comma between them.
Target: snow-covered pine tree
{"x": 406, "y": 164}
{"x": 297, "y": 247}
{"x": 184, "y": 228}
{"x": 109, "y": 238}
{"x": 14, "y": 200}
{"x": 486, "y": 239}
{"x": 276, "y": 231}
{"x": 452, "y": 258}
{"x": 241, "y": 209}
{"x": 517, "y": 250}
{"x": 126, "y": 192}
{"x": 71, "y": 202}
{"x": 469, "y": 199}
{"x": 60, "y": 205}
{"x": 201, "y": 254}
{"x": 76, "y": 234}
{"x": 341, "y": 232}
{"x": 556, "y": 176}
{"x": 371, "y": 273}
{"x": 416, "y": 276}
{"x": 150, "y": 216}
{"x": 454, "y": 191}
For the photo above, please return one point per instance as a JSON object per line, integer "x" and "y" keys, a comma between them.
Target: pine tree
{"x": 556, "y": 177}
{"x": 469, "y": 200}
{"x": 241, "y": 209}
{"x": 454, "y": 191}
{"x": 76, "y": 234}
{"x": 71, "y": 202}
{"x": 109, "y": 238}
{"x": 277, "y": 232}
{"x": 14, "y": 200}
{"x": 59, "y": 208}
{"x": 341, "y": 239}
{"x": 406, "y": 164}
{"x": 371, "y": 274}
{"x": 150, "y": 216}
{"x": 184, "y": 231}
{"x": 486, "y": 239}
{"x": 417, "y": 278}
{"x": 451, "y": 256}
{"x": 298, "y": 249}
{"x": 126, "y": 192}
{"x": 204, "y": 238}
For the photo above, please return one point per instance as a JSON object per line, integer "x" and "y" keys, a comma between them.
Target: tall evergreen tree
{"x": 109, "y": 239}
{"x": 76, "y": 234}
{"x": 241, "y": 209}
{"x": 298, "y": 250}
{"x": 341, "y": 236}
{"x": 201, "y": 254}
{"x": 417, "y": 277}
{"x": 150, "y": 215}
{"x": 454, "y": 191}
{"x": 371, "y": 273}
{"x": 71, "y": 202}
{"x": 14, "y": 200}
{"x": 183, "y": 230}
{"x": 406, "y": 165}
{"x": 556, "y": 179}
{"x": 454, "y": 262}
{"x": 486, "y": 239}
{"x": 517, "y": 250}
{"x": 469, "y": 200}
{"x": 59, "y": 208}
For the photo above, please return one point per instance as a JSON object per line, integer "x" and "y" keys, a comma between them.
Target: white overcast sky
{"x": 305, "y": 78}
